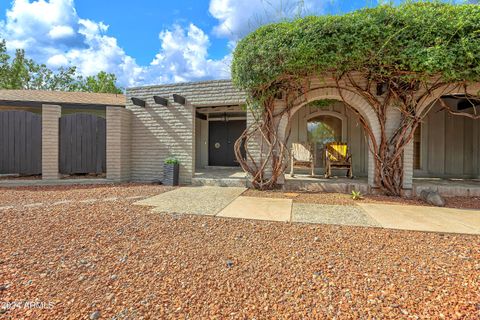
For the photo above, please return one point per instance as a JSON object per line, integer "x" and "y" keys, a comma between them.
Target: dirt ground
{"x": 87, "y": 252}
{"x": 346, "y": 199}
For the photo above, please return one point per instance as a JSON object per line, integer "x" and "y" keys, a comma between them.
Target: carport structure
{"x": 57, "y": 134}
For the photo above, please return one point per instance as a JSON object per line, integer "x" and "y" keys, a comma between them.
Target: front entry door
{"x": 221, "y": 140}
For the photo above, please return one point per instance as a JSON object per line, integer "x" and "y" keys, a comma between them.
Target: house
{"x": 199, "y": 122}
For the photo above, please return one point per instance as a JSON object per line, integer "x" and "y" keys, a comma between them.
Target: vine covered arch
{"x": 353, "y": 101}
{"x": 398, "y": 59}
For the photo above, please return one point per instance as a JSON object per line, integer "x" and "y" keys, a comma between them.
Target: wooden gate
{"x": 82, "y": 144}
{"x": 20, "y": 143}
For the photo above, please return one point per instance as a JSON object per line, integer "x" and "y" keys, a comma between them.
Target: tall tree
{"x": 102, "y": 82}
{"x": 21, "y": 72}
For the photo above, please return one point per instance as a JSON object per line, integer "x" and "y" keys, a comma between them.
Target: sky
{"x": 146, "y": 41}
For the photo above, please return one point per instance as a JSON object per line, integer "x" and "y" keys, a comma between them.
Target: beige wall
{"x": 201, "y": 143}
{"x": 353, "y": 132}
{"x": 159, "y": 132}
{"x": 118, "y": 143}
{"x": 450, "y": 146}
{"x": 50, "y": 141}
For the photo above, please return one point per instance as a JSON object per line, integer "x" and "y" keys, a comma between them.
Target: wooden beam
{"x": 200, "y": 116}
{"x": 217, "y": 109}
{"x": 138, "y": 102}
{"x": 179, "y": 99}
{"x": 160, "y": 100}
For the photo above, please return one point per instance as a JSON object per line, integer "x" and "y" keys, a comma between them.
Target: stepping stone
{"x": 259, "y": 209}
{"x": 61, "y": 202}
{"x": 88, "y": 201}
{"x": 135, "y": 197}
{"x": 331, "y": 214}
{"x": 193, "y": 200}
{"x": 33, "y": 205}
{"x": 110, "y": 199}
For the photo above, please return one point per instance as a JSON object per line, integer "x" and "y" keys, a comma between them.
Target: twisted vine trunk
{"x": 267, "y": 162}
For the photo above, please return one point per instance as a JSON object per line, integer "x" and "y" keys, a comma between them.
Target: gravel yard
{"x": 98, "y": 255}
{"x": 346, "y": 199}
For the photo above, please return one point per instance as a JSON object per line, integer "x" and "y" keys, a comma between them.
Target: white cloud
{"x": 237, "y": 18}
{"x": 59, "y": 32}
{"x": 51, "y": 32}
{"x": 183, "y": 57}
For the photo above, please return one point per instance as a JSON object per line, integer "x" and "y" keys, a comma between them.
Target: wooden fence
{"x": 82, "y": 144}
{"x": 20, "y": 143}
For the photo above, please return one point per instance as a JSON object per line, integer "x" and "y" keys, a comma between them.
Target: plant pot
{"x": 170, "y": 174}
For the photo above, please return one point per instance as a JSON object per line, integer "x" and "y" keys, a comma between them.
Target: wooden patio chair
{"x": 302, "y": 155}
{"x": 337, "y": 157}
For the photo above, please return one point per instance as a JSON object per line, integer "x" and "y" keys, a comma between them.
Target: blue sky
{"x": 146, "y": 41}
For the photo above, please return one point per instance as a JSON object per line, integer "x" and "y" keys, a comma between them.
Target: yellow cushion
{"x": 337, "y": 152}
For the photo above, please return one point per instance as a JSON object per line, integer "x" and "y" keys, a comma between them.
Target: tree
{"x": 102, "y": 82}
{"x": 391, "y": 56}
{"x": 23, "y": 73}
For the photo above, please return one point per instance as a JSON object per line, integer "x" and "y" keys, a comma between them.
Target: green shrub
{"x": 171, "y": 160}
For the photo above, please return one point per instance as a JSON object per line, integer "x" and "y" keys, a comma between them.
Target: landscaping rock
{"x": 95, "y": 315}
{"x": 432, "y": 197}
{"x": 179, "y": 269}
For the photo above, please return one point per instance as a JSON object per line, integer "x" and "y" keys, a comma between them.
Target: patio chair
{"x": 337, "y": 157}
{"x": 302, "y": 155}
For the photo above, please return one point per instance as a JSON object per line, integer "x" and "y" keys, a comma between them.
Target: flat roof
{"x": 62, "y": 97}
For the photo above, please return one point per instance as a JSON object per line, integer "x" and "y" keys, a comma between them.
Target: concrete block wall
{"x": 50, "y": 141}
{"x": 158, "y": 132}
{"x": 118, "y": 144}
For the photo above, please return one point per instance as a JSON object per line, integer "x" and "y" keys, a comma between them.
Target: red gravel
{"x": 124, "y": 261}
{"x": 346, "y": 199}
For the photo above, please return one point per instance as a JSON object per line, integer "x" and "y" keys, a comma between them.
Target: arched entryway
{"x": 354, "y": 107}
{"x": 335, "y": 122}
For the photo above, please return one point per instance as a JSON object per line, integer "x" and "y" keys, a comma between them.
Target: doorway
{"x": 221, "y": 140}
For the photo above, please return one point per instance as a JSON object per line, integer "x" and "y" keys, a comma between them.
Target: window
{"x": 322, "y": 130}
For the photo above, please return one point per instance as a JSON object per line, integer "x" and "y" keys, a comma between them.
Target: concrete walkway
{"x": 228, "y": 203}
{"x": 424, "y": 218}
{"x": 193, "y": 200}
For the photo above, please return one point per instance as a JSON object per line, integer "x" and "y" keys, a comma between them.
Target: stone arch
{"x": 473, "y": 89}
{"x": 354, "y": 100}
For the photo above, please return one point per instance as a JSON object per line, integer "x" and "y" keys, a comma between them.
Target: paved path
{"x": 193, "y": 200}
{"x": 228, "y": 202}
{"x": 332, "y": 214}
{"x": 258, "y": 209}
{"x": 424, "y": 218}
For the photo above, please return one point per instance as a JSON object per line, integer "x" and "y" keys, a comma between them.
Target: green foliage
{"x": 23, "y": 73}
{"x": 171, "y": 160}
{"x": 322, "y": 103}
{"x": 102, "y": 82}
{"x": 356, "y": 195}
{"x": 415, "y": 40}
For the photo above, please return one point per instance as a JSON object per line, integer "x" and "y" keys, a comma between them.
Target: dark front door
{"x": 221, "y": 140}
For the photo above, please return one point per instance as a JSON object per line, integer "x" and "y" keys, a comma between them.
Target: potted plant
{"x": 170, "y": 171}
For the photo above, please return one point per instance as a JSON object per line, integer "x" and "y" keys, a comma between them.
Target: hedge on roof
{"x": 414, "y": 40}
